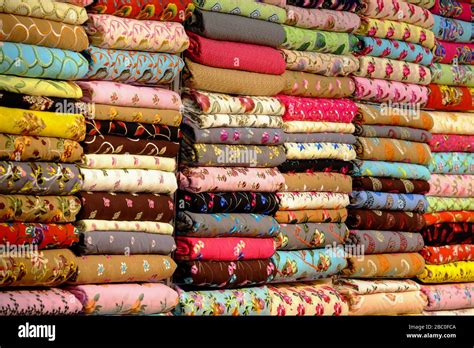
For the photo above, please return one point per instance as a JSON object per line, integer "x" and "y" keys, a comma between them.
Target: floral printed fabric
{"x": 442, "y": 97}
{"x": 312, "y": 151}
{"x": 108, "y": 31}
{"x": 41, "y": 103}
{"x": 381, "y": 242}
{"x": 207, "y": 121}
{"x": 125, "y": 299}
{"x": 322, "y": 19}
{"x": 324, "y": 137}
{"x": 423, "y": 3}
{"x": 388, "y": 201}
{"x": 453, "y": 9}
{"x": 394, "y": 49}
{"x": 44, "y": 236}
{"x": 390, "y": 185}
{"x": 452, "y": 163}
{"x": 363, "y": 219}
{"x": 133, "y": 130}
{"x": 447, "y": 253}
{"x": 305, "y": 265}
{"x": 450, "y": 233}
{"x": 383, "y": 91}
{"x": 40, "y": 87}
{"x": 451, "y": 185}
{"x": 394, "y": 132}
{"x": 311, "y": 166}
{"x": 454, "y": 272}
{"x": 452, "y": 29}
{"x": 313, "y": 215}
{"x": 38, "y": 302}
{"x": 304, "y": 299}
{"x": 42, "y": 62}
{"x": 455, "y": 75}
{"x": 311, "y": 235}
{"x": 449, "y": 296}
{"x": 328, "y": 182}
{"x": 40, "y": 178}
{"x": 340, "y": 5}
{"x": 128, "y": 162}
{"x": 132, "y": 66}
{"x": 452, "y": 123}
{"x": 449, "y": 216}
{"x": 391, "y": 170}
{"x": 450, "y": 52}
{"x": 312, "y": 200}
{"x": 302, "y": 127}
{"x": 449, "y": 203}
{"x": 126, "y": 226}
{"x": 133, "y": 114}
{"x": 241, "y": 302}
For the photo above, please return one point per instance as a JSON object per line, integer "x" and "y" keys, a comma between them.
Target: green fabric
{"x": 452, "y": 75}
{"x": 449, "y": 204}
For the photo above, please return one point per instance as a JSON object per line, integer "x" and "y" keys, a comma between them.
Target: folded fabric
{"x": 449, "y": 216}
{"x": 39, "y": 87}
{"x": 224, "y": 274}
{"x": 312, "y": 200}
{"x": 393, "y": 70}
{"x": 329, "y": 182}
{"x": 451, "y": 185}
{"x": 235, "y": 55}
{"x": 453, "y": 30}
{"x": 314, "y": 215}
{"x": 43, "y": 236}
{"x": 24, "y": 208}
{"x": 42, "y": 32}
{"x": 50, "y": 268}
{"x": 423, "y": 3}
{"x": 391, "y": 170}
{"x": 318, "y": 41}
{"x": 217, "y": 121}
{"x": 393, "y": 49}
{"x": 232, "y": 81}
{"x": 129, "y": 162}
{"x": 133, "y": 129}
{"x": 387, "y": 29}
{"x": 311, "y": 166}
{"x": 40, "y": 178}
{"x": 133, "y": 114}
{"x": 101, "y": 269}
{"x": 456, "y": 312}
{"x": 311, "y": 235}
{"x": 245, "y": 8}
{"x": 223, "y": 249}
{"x": 378, "y": 115}
{"x": 125, "y": 207}
{"x": 320, "y": 63}
{"x": 449, "y": 98}
{"x": 449, "y": 296}
{"x": 242, "y": 302}
{"x": 450, "y": 52}
{"x": 125, "y": 226}
{"x": 351, "y": 287}
{"x": 381, "y": 242}
{"x": 226, "y": 225}
{"x": 121, "y": 242}
{"x": 394, "y": 132}
{"x": 305, "y": 265}
{"x": 41, "y": 103}
{"x": 108, "y": 31}
{"x": 313, "y": 151}
{"x": 129, "y": 180}
{"x": 452, "y": 75}
{"x": 34, "y": 148}
{"x": 318, "y": 127}
{"x": 38, "y": 302}
{"x": 453, "y": 9}
{"x": 447, "y": 253}
{"x": 46, "y": 9}
{"x": 402, "y": 265}
{"x": 452, "y": 123}
{"x": 120, "y": 94}
{"x": 388, "y": 201}
{"x": 322, "y": 19}
{"x": 110, "y": 144}
{"x": 378, "y": 91}
{"x": 217, "y": 155}
{"x": 209, "y": 179}
{"x": 390, "y": 185}
{"x": 324, "y": 137}
{"x": 398, "y": 11}
{"x": 42, "y": 62}
{"x": 303, "y": 299}
{"x": 449, "y": 233}
{"x": 364, "y": 219}
{"x": 452, "y": 163}
{"x": 454, "y": 272}
{"x": 157, "y": 10}
{"x": 340, "y": 5}
{"x": 232, "y": 28}
{"x": 228, "y": 202}
{"x": 125, "y": 299}
{"x": 132, "y": 66}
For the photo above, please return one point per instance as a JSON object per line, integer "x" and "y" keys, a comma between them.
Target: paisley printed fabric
{"x": 314, "y": 215}
{"x": 311, "y": 166}
{"x": 436, "y": 204}
{"x": 133, "y": 130}
{"x": 44, "y": 236}
{"x": 452, "y": 29}
{"x": 450, "y": 232}
{"x": 449, "y": 296}
{"x": 453, "y": 75}
{"x": 340, "y": 5}
{"x": 383, "y": 91}
{"x": 311, "y": 151}
{"x": 311, "y": 235}
{"x": 452, "y": 123}
{"x": 454, "y": 272}
{"x": 103, "y": 112}
{"x": 449, "y": 98}
{"x": 322, "y": 19}
{"x": 390, "y": 185}
{"x": 451, "y": 185}
{"x": 453, "y": 9}
{"x": 207, "y": 121}
{"x": 449, "y": 216}
{"x": 450, "y": 52}
{"x": 108, "y": 31}
{"x": 128, "y": 162}
{"x": 329, "y": 182}
{"x": 388, "y": 201}
{"x": 303, "y": 128}
{"x": 452, "y": 163}
{"x": 312, "y": 200}
{"x": 394, "y": 132}
{"x": 124, "y": 226}
{"x": 447, "y": 253}
{"x": 381, "y": 242}
{"x": 391, "y": 170}
{"x": 384, "y": 220}
{"x": 132, "y": 66}
{"x": 40, "y": 87}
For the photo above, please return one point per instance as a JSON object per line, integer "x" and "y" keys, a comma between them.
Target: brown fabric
{"x": 360, "y": 219}
{"x": 42, "y": 32}
{"x": 303, "y": 216}
{"x": 327, "y": 182}
{"x": 390, "y": 185}
{"x": 310, "y": 85}
{"x": 228, "y": 81}
{"x": 133, "y": 114}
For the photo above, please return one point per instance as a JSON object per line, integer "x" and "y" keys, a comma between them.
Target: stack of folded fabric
{"x": 133, "y": 119}
{"x": 40, "y": 129}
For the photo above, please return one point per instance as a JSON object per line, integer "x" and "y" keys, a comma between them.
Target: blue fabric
{"x": 388, "y": 201}
{"x": 391, "y": 170}
{"x": 452, "y": 30}
{"x": 452, "y": 162}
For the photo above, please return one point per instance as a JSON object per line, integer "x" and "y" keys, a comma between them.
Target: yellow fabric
{"x": 318, "y": 127}
{"x": 454, "y": 272}
{"x": 452, "y": 122}
{"x": 40, "y": 87}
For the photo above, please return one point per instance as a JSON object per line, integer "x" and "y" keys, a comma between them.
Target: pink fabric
{"x": 112, "y": 93}
{"x": 452, "y": 143}
{"x": 383, "y": 91}
{"x": 224, "y": 249}
{"x": 231, "y": 179}
{"x": 318, "y": 109}
{"x": 322, "y": 19}
{"x": 446, "y": 52}
{"x": 460, "y": 10}
{"x": 446, "y": 185}
{"x": 449, "y": 296}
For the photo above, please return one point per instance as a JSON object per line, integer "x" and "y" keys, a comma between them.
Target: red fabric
{"x": 235, "y": 55}
{"x": 158, "y": 10}
{"x": 439, "y": 101}
{"x": 45, "y": 236}
{"x": 453, "y": 9}
{"x": 445, "y": 52}
{"x": 452, "y": 143}
{"x": 224, "y": 249}
{"x": 448, "y": 253}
